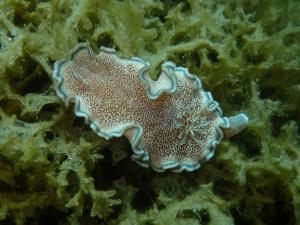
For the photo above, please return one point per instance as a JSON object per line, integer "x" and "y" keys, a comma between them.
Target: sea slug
{"x": 171, "y": 123}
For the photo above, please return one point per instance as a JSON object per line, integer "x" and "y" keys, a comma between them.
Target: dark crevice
{"x": 212, "y": 56}
{"x": 11, "y": 106}
{"x": 28, "y": 117}
{"x": 155, "y": 12}
{"x": 50, "y": 135}
{"x": 50, "y": 157}
{"x": 5, "y": 187}
{"x": 272, "y": 203}
{"x": 249, "y": 143}
{"x": 240, "y": 42}
{"x": 180, "y": 37}
{"x": 103, "y": 171}
{"x": 256, "y": 58}
{"x": 49, "y": 216}
{"x": 29, "y": 78}
{"x": 143, "y": 199}
{"x": 22, "y": 184}
{"x": 86, "y": 217}
{"x": 73, "y": 182}
{"x": 277, "y": 122}
{"x": 8, "y": 221}
{"x": 106, "y": 40}
{"x": 47, "y": 111}
{"x": 291, "y": 38}
{"x": 226, "y": 189}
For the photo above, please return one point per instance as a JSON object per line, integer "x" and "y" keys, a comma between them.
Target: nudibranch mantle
{"x": 171, "y": 123}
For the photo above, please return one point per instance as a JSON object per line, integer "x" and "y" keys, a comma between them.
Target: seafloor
{"x": 55, "y": 170}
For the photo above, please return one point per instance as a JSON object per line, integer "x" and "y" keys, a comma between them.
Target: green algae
{"x": 55, "y": 170}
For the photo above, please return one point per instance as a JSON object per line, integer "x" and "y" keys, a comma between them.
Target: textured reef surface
{"x": 55, "y": 170}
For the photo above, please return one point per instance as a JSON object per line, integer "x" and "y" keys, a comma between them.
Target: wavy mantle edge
{"x": 140, "y": 155}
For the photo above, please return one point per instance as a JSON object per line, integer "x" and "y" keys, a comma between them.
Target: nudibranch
{"x": 171, "y": 123}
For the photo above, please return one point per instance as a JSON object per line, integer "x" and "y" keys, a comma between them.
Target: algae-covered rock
{"x": 55, "y": 170}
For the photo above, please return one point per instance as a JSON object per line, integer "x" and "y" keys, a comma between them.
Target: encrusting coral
{"x": 171, "y": 123}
